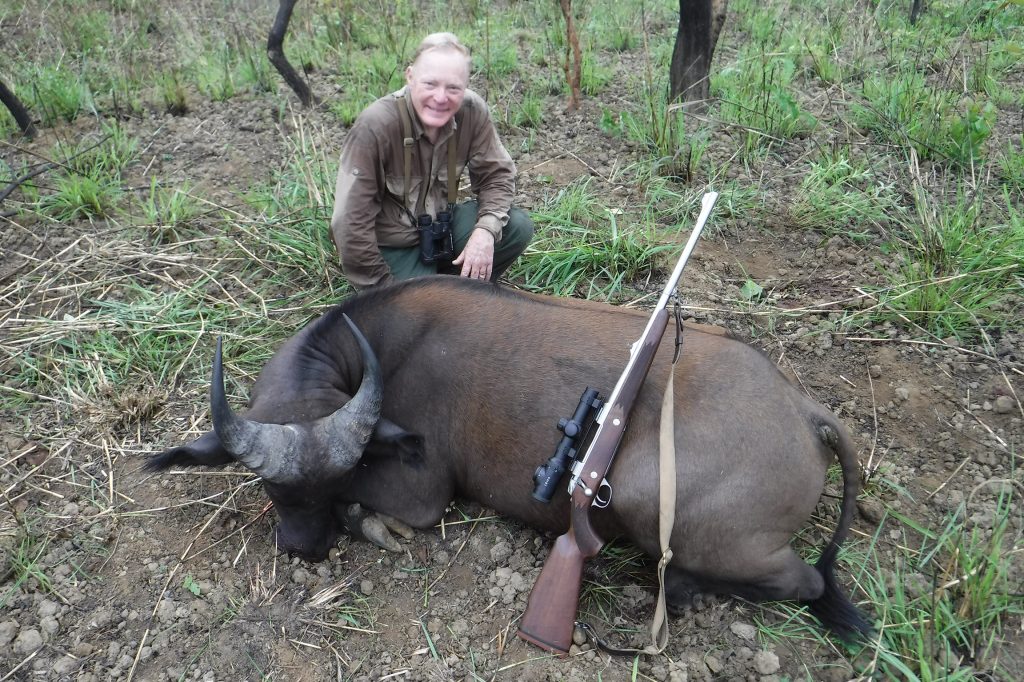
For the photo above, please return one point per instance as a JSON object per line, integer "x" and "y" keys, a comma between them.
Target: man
{"x": 396, "y": 167}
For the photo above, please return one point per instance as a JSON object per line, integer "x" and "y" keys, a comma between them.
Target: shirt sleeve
{"x": 357, "y": 203}
{"x": 491, "y": 172}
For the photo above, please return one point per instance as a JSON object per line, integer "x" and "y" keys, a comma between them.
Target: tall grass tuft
{"x": 582, "y": 250}
{"x": 840, "y": 195}
{"x": 168, "y": 213}
{"x": 946, "y": 604}
{"x": 959, "y": 269}
{"x": 903, "y": 109}
{"x": 756, "y": 94}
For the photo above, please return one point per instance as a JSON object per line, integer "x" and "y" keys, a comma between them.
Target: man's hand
{"x": 477, "y": 259}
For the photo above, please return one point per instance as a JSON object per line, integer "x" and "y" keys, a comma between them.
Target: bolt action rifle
{"x": 551, "y": 612}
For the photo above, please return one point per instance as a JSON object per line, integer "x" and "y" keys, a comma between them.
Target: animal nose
{"x": 311, "y": 551}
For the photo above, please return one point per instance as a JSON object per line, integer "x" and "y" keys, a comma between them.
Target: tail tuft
{"x": 833, "y": 608}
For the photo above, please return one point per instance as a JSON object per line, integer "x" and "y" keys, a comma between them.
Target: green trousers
{"x": 406, "y": 263}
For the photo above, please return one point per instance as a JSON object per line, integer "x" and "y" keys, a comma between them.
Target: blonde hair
{"x": 441, "y": 41}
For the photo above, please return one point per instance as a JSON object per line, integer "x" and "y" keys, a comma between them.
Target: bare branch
{"x": 18, "y": 110}
{"x": 275, "y": 52}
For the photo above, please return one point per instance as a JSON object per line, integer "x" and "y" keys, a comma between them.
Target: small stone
{"x": 48, "y": 608}
{"x": 744, "y": 630}
{"x": 713, "y": 664}
{"x": 902, "y": 393}
{"x": 1003, "y": 405}
{"x": 875, "y": 371}
{"x": 300, "y": 576}
{"x": 766, "y": 663}
{"x": 28, "y": 641}
{"x": 579, "y": 638}
{"x": 366, "y": 587}
{"x": 65, "y": 665}
{"x": 8, "y": 630}
{"x": 871, "y": 510}
{"x": 49, "y": 625}
{"x": 500, "y": 552}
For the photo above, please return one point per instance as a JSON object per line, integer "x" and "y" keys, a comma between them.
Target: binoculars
{"x": 436, "y": 242}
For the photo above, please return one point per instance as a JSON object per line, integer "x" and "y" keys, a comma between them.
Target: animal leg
{"x": 785, "y": 577}
{"x": 789, "y": 579}
{"x": 682, "y": 591}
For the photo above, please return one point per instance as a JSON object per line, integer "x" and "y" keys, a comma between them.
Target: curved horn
{"x": 347, "y": 431}
{"x": 260, "y": 447}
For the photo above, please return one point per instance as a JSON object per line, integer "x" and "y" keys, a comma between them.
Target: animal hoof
{"x": 376, "y": 532}
{"x": 397, "y": 526}
{"x": 368, "y": 526}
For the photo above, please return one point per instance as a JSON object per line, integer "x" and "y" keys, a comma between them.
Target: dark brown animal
{"x": 472, "y": 379}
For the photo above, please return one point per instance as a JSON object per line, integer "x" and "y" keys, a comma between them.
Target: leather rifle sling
{"x": 667, "y": 496}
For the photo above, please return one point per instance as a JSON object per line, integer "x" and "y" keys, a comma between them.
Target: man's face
{"x": 437, "y": 83}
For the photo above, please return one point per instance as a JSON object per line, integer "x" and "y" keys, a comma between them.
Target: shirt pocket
{"x": 396, "y": 188}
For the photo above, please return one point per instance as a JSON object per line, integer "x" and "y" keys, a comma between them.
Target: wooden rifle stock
{"x": 551, "y": 611}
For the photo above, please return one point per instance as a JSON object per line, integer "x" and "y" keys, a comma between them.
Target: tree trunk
{"x": 275, "y": 51}
{"x": 572, "y": 55}
{"x": 915, "y": 11}
{"x": 700, "y": 23}
{"x": 17, "y": 110}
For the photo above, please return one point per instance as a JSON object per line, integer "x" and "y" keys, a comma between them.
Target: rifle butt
{"x": 550, "y": 614}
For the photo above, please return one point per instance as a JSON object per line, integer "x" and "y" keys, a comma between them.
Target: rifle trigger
{"x": 603, "y": 496}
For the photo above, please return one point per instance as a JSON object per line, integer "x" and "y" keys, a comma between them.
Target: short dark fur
{"x": 475, "y": 378}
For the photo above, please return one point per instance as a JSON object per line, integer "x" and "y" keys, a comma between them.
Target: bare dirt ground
{"x": 179, "y": 577}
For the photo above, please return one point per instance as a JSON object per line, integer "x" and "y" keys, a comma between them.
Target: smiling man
{"x": 396, "y": 213}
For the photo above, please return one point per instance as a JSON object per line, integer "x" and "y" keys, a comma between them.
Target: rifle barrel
{"x": 707, "y": 204}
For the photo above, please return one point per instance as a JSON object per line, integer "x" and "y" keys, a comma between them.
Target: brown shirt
{"x": 368, "y": 202}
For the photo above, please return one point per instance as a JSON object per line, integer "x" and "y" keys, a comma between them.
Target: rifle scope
{"x": 547, "y": 475}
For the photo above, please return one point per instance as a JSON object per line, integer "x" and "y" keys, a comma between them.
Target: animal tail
{"x": 833, "y": 608}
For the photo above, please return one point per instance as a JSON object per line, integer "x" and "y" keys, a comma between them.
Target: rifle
{"x": 551, "y": 611}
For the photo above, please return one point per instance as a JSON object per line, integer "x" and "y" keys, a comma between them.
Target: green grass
{"x": 169, "y": 213}
{"x": 81, "y": 196}
{"x": 904, "y": 110}
{"x": 959, "y": 269}
{"x": 757, "y": 94}
{"x": 581, "y": 249}
{"x": 57, "y": 93}
{"x": 946, "y": 605}
{"x": 840, "y": 195}
{"x": 25, "y": 565}
{"x": 295, "y": 240}
{"x": 172, "y": 92}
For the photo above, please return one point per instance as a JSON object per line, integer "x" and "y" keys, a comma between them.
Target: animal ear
{"x": 389, "y": 439}
{"x": 204, "y": 451}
